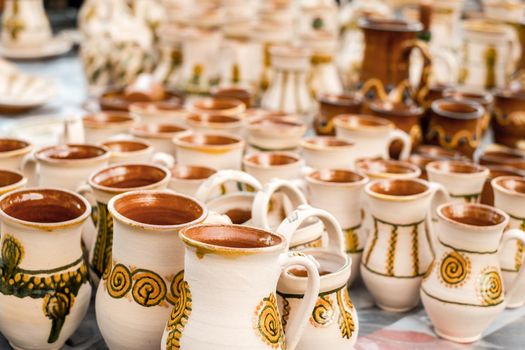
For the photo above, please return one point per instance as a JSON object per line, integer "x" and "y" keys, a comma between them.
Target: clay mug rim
{"x": 449, "y": 212}
{"x": 22, "y": 147}
{"x": 446, "y": 167}
{"x": 96, "y": 153}
{"x": 336, "y": 177}
{"x": 248, "y": 160}
{"x": 511, "y": 185}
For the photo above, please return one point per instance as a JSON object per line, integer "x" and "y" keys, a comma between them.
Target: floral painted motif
{"x": 180, "y": 290}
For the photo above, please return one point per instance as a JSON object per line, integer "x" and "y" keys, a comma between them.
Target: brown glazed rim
{"x": 470, "y": 109}
{"x": 365, "y": 166}
{"x": 362, "y": 122}
{"x": 93, "y": 177}
{"x": 480, "y": 96}
{"x": 340, "y": 100}
{"x": 187, "y": 141}
{"x": 249, "y": 159}
{"x": 498, "y": 213}
{"x": 144, "y": 194}
{"x": 14, "y": 178}
{"x": 81, "y": 202}
{"x": 108, "y": 119}
{"x": 501, "y": 184}
{"x": 397, "y": 109}
{"x": 207, "y": 248}
{"x": 213, "y": 104}
{"x": 325, "y": 143}
{"x": 437, "y": 152}
{"x": 504, "y": 170}
{"x": 214, "y": 120}
{"x": 175, "y": 171}
{"x": 105, "y": 153}
{"x": 314, "y": 252}
{"x": 155, "y": 107}
{"x": 503, "y": 156}
{"x": 397, "y": 198}
{"x": 325, "y": 176}
{"x": 25, "y": 147}
{"x": 140, "y": 146}
{"x": 390, "y": 25}
{"x": 163, "y": 130}
{"x": 450, "y": 165}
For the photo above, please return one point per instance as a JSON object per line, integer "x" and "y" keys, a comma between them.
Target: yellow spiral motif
{"x": 268, "y": 322}
{"x": 12, "y": 251}
{"x": 323, "y": 314}
{"x": 454, "y": 269}
{"x": 490, "y": 287}
{"x": 149, "y": 288}
{"x": 181, "y": 311}
{"x": 119, "y": 282}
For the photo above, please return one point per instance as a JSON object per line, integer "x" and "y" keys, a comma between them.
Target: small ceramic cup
{"x": 387, "y": 169}
{"x": 159, "y": 135}
{"x": 332, "y": 105}
{"x": 129, "y": 151}
{"x": 487, "y": 195}
{"x": 372, "y": 136}
{"x": 498, "y": 155}
{"x": 484, "y": 98}
{"x": 463, "y": 180}
{"x": 274, "y": 134}
{"x": 234, "y": 92}
{"x": 229, "y": 125}
{"x": 12, "y": 153}
{"x": 100, "y": 127}
{"x": 427, "y": 153}
{"x": 224, "y": 106}
{"x": 328, "y": 152}
{"x": 209, "y": 149}
{"x": 11, "y": 181}
{"x": 187, "y": 179}
{"x": 509, "y": 196}
{"x": 45, "y": 290}
{"x": 265, "y": 166}
{"x": 160, "y": 112}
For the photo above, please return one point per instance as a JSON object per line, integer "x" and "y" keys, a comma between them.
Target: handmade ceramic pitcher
{"x": 333, "y": 322}
{"x": 397, "y": 252}
{"x": 141, "y": 283}
{"x": 13, "y": 152}
{"x": 509, "y": 196}
{"x": 25, "y": 24}
{"x": 44, "y": 288}
{"x": 462, "y": 290}
{"x": 241, "y": 265}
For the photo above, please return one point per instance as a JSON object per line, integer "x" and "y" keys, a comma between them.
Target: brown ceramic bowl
{"x": 331, "y": 105}
{"x": 487, "y": 195}
{"x": 509, "y": 117}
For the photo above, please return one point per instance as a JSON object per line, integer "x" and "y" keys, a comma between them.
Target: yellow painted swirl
{"x": 119, "y": 281}
{"x": 149, "y": 288}
{"x": 268, "y": 322}
{"x": 490, "y": 287}
{"x": 454, "y": 269}
{"x": 323, "y": 314}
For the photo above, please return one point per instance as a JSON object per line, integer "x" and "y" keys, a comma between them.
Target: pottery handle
{"x": 262, "y": 200}
{"x": 513, "y": 235}
{"x": 299, "y": 320}
{"x": 220, "y": 178}
{"x": 335, "y": 234}
{"x": 87, "y": 192}
{"x": 216, "y": 218}
{"x": 29, "y": 168}
{"x": 437, "y": 190}
{"x": 427, "y": 59}
{"x": 397, "y": 134}
{"x": 163, "y": 159}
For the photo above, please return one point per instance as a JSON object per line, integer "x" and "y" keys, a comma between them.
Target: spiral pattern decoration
{"x": 268, "y": 322}
{"x": 454, "y": 269}
{"x": 490, "y": 287}
{"x": 119, "y": 282}
{"x": 149, "y": 288}
{"x": 323, "y": 314}
{"x": 180, "y": 313}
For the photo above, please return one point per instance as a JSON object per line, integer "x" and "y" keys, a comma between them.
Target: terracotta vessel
{"x": 332, "y": 105}
{"x": 484, "y": 98}
{"x": 509, "y": 120}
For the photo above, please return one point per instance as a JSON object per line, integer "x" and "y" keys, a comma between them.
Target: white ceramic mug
{"x": 12, "y": 153}
{"x": 159, "y": 135}
{"x": 11, "y": 181}
{"x": 100, "y": 127}
{"x": 187, "y": 179}
{"x": 265, "y": 166}
{"x": 327, "y": 152}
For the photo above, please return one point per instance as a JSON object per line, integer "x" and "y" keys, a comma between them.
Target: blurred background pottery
{"x": 332, "y": 105}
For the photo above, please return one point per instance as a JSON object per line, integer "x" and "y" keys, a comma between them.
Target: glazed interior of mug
{"x": 151, "y": 107}
{"x": 457, "y": 107}
{"x": 191, "y": 172}
{"x": 499, "y": 170}
{"x": 232, "y": 236}
{"x": 336, "y": 176}
{"x": 472, "y": 214}
{"x": 209, "y": 139}
{"x": 239, "y": 215}
{"x": 328, "y": 263}
{"x": 43, "y": 206}
{"x": 269, "y": 159}
{"x": 398, "y": 187}
{"x": 104, "y": 118}
{"x": 164, "y": 209}
{"x": 502, "y": 156}
{"x": 125, "y": 146}
{"x": 213, "y": 119}
{"x": 152, "y": 130}
{"x": 381, "y": 166}
{"x": 327, "y": 141}
{"x": 436, "y": 152}
{"x": 71, "y": 152}
{"x": 341, "y": 100}
{"x": 129, "y": 176}
{"x": 513, "y": 184}
{"x": 8, "y": 145}
{"x": 8, "y": 178}
{"x": 214, "y": 104}
{"x": 457, "y": 167}
{"x": 364, "y": 121}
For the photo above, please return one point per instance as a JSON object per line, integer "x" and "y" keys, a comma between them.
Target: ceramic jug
{"x": 25, "y": 24}
{"x": 462, "y": 290}
{"x": 241, "y": 265}
{"x": 397, "y": 252}
{"x": 44, "y": 287}
{"x": 141, "y": 283}
{"x": 509, "y": 196}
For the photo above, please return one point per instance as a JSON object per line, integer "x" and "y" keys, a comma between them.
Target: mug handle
{"x": 87, "y": 192}
{"x": 427, "y": 59}
{"x": 513, "y": 235}
{"x": 163, "y": 159}
{"x": 397, "y": 134}
{"x": 220, "y": 178}
{"x": 335, "y": 234}
{"x": 299, "y": 320}
{"x": 29, "y": 168}
{"x": 264, "y": 196}
{"x": 438, "y": 189}
{"x": 216, "y": 218}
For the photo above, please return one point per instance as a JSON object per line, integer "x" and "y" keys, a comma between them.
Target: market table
{"x": 377, "y": 329}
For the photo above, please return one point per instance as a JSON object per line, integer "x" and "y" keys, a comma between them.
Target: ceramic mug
{"x": 159, "y": 112}
{"x": 371, "y": 136}
{"x": 509, "y": 196}
{"x": 44, "y": 288}
{"x": 213, "y": 106}
{"x": 159, "y": 135}
{"x": 487, "y": 195}
{"x": 247, "y": 316}
{"x": 11, "y": 181}
{"x": 332, "y": 105}
{"x": 104, "y": 185}
{"x": 209, "y": 149}
{"x": 12, "y": 153}
{"x": 135, "y": 151}
{"x": 328, "y": 152}
{"x": 462, "y": 290}
{"x": 339, "y": 192}
{"x": 273, "y": 133}
{"x": 509, "y": 121}
{"x": 225, "y": 124}
{"x": 397, "y": 252}
{"x": 100, "y": 127}
{"x": 265, "y": 166}
{"x": 142, "y": 281}
{"x": 427, "y": 153}
{"x": 187, "y": 179}
{"x": 387, "y": 169}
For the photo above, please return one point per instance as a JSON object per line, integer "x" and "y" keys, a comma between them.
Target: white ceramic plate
{"x": 55, "y": 47}
{"x": 21, "y": 92}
